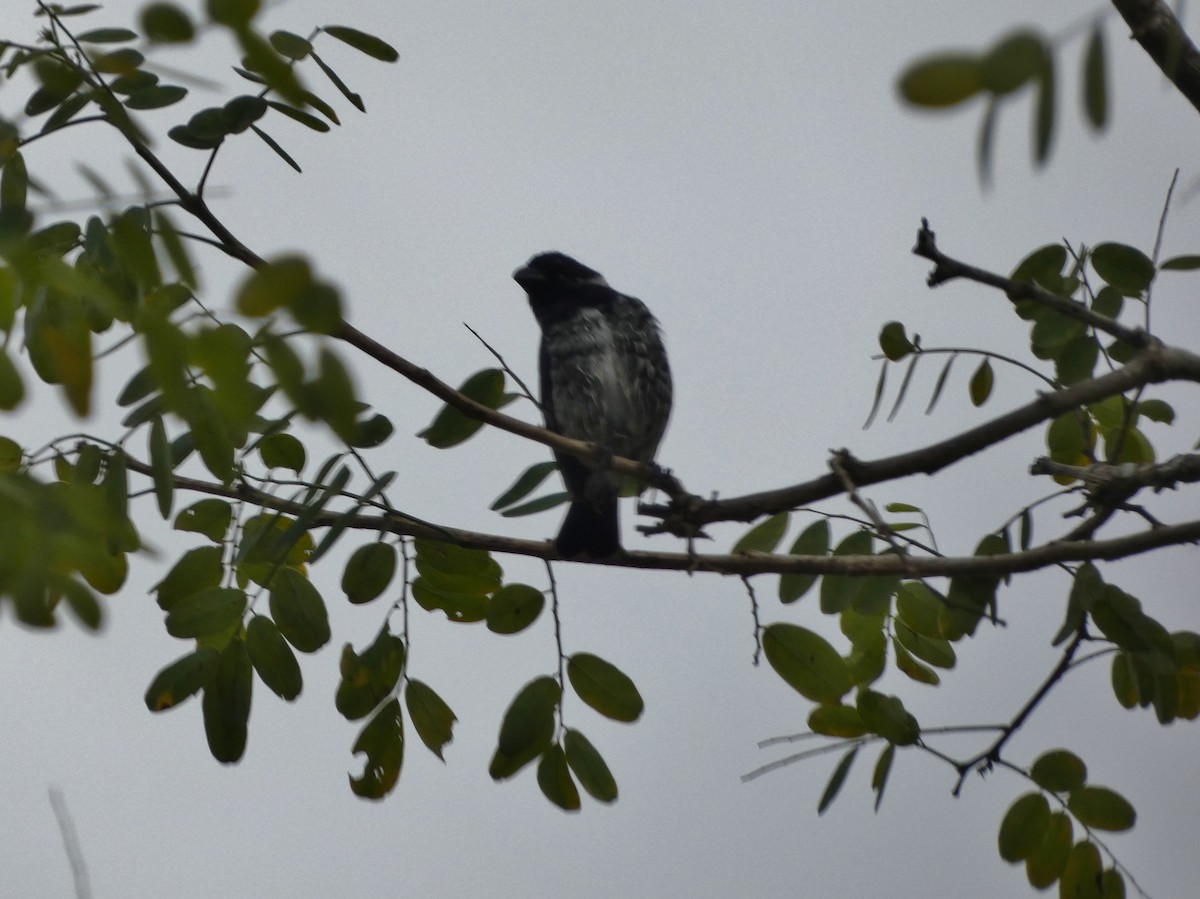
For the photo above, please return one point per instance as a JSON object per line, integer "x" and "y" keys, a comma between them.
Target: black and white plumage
{"x": 604, "y": 379}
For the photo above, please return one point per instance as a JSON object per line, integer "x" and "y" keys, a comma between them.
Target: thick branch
{"x": 1154, "y": 26}
{"x": 1155, "y": 364}
{"x": 1107, "y": 481}
{"x": 740, "y": 565}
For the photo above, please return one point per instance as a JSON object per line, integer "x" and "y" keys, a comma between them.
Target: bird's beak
{"x": 526, "y": 276}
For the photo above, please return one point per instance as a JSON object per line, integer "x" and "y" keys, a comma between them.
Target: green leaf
{"x": 1095, "y": 85}
{"x": 839, "y": 777}
{"x": 350, "y": 95}
{"x": 981, "y": 383}
{"x": 12, "y": 390}
{"x": 807, "y": 662}
{"x": 371, "y": 432}
{"x": 307, "y": 119}
{"x": 278, "y": 284}
{"x": 1156, "y": 410}
{"x": 1181, "y": 264}
{"x": 106, "y": 36}
{"x": 918, "y": 607}
{"x": 289, "y": 45}
{"x": 1124, "y": 680}
{"x": 589, "y": 767}
{"x": 1108, "y": 302}
{"x": 840, "y": 721}
{"x": 198, "y": 569}
{"x": 369, "y": 571}
{"x": 868, "y": 659}
{"x": 604, "y": 687}
{"x": 226, "y": 703}
{"x": 182, "y": 679}
{"x": 366, "y": 43}
{"x": 541, "y": 504}
{"x": 937, "y": 651}
{"x": 1043, "y": 266}
{"x": 1044, "y": 112}
{"x": 1081, "y": 876}
{"x": 166, "y": 23}
{"x": 970, "y": 597}
{"x": 274, "y": 145}
{"x": 554, "y": 779}
{"x": 764, "y": 536}
{"x": 298, "y": 610}
{"x": 1126, "y": 268}
{"x": 282, "y": 451}
{"x": 431, "y": 717}
{"x": 513, "y": 608}
{"x": 80, "y": 600}
{"x": 1023, "y": 826}
{"x": 1013, "y": 62}
{"x": 162, "y": 467}
{"x": 241, "y": 112}
{"x": 839, "y": 591}
{"x": 453, "y": 559}
{"x": 14, "y": 183}
{"x": 1101, "y": 808}
{"x": 10, "y": 455}
{"x": 1077, "y": 360}
{"x": 277, "y": 72}
{"x": 368, "y": 679}
{"x": 1059, "y": 771}
{"x": 272, "y": 658}
{"x": 883, "y": 767}
{"x": 528, "y": 481}
{"x": 894, "y": 342}
{"x": 527, "y": 728}
{"x": 206, "y": 612}
{"x": 1112, "y": 884}
{"x": 909, "y": 666}
{"x": 1120, "y": 617}
{"x": 333, "y": 394}
{"x": 210, "y": 517}
{"x": 451, "y": 426}
{"x": 1086, "y": 589}
{"x": 943, "y": 80}
{"x": 382, "y": 741}
{"x": 813, "y": 541}
{"x": 1046, "y": 860}
{"x": 886, "y": 716}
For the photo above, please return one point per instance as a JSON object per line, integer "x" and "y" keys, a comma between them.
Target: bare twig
{"x": 66, "y": 826}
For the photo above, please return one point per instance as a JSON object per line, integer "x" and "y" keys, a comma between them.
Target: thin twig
{"x": 504, "y": 365}
{"x": 66, "y": 826}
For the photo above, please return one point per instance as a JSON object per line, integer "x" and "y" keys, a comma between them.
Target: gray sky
{"x": 747, "y": 171}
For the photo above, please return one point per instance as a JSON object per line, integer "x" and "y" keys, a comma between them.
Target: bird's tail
{"x": 590, "y": 531}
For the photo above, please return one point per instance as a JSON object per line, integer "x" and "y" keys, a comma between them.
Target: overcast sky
{"x": 747, "y": 170}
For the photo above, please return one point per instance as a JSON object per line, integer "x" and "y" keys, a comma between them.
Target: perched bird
{"x": 604, "y": 379}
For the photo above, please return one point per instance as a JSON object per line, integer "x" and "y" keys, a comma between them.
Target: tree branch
{"x": 1155, "y": 364}
{"x": 1154, "y": 26}
{"x": 991, "y": 755}
{"x": 1106, "y": 482}
{"x": 740, "y": 565}
{"x": 947, "y": 269}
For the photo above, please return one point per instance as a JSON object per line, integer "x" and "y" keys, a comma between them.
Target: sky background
{"x": 749, "y": 172}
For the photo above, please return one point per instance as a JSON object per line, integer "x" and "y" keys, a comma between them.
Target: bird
{"x": 604, "y": 379}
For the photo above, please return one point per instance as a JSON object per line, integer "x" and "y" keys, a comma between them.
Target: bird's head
{"x": 552, "y": 272}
